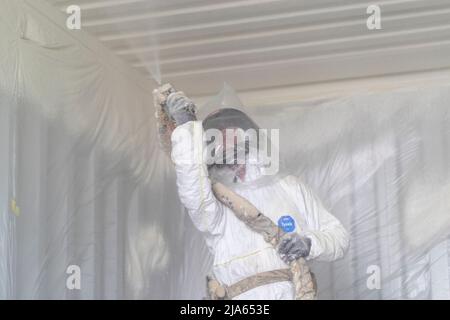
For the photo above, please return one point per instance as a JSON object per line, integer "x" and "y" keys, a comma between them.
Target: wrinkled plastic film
{"x": 366, "y": 156}
{"x": 96, "y": 191}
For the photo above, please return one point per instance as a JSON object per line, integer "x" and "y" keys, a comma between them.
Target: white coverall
{"x": 238, "y": 251}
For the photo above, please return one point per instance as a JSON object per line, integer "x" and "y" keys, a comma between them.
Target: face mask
{"x": 225, "y": 174}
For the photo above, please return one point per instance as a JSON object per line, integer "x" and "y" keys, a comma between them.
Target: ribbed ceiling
{"x": 254, "y": 44}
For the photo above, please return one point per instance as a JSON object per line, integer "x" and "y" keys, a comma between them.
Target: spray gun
{"x": 161, "y": 94}
{"x": 183, "y": 110}
{"x": 165, "y": 123}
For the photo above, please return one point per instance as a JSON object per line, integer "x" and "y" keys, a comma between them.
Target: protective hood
{"x": 237, "y": 149}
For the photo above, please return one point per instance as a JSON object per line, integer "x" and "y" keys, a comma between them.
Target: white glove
{"x": 294, "y": 246}
{"x": 181, "y": 108}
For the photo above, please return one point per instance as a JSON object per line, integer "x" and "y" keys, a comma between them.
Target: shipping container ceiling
{"x": 259, "y": 44}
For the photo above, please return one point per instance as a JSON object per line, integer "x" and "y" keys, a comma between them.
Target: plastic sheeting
{"x": 380, "y": 163}
{"x": 83, "y": 181}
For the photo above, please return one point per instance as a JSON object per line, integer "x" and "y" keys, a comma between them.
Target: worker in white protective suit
{"x": 240, "y": 253}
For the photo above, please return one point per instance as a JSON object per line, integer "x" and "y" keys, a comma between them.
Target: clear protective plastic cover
{"x": 89, "y": 205}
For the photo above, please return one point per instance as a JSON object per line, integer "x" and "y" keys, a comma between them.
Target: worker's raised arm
{"x": 194, "y": 186}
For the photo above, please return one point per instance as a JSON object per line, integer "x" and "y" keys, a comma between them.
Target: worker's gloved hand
{"x": 293, "y": 246}
{"x": 181, "y": 108}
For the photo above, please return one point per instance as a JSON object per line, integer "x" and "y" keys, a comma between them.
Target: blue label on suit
{"x": 286, "y": 223}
